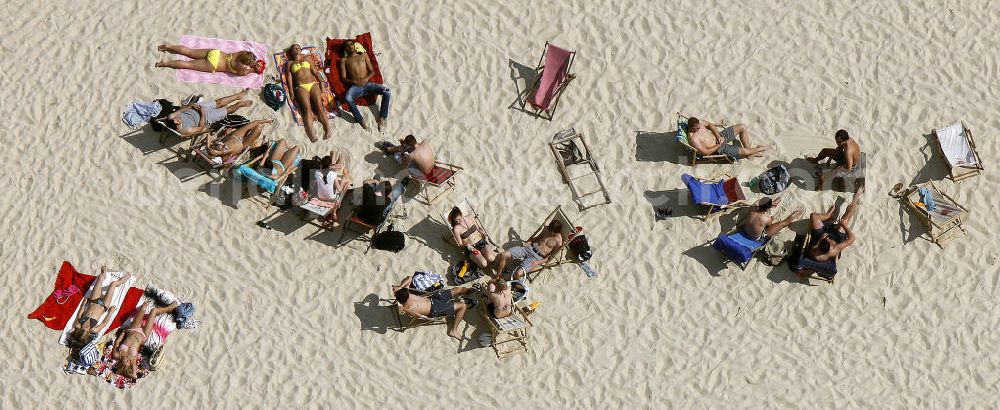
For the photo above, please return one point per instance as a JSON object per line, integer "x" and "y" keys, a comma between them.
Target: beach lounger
{"x": 406, "y": 321}
{"x": 813, "y": 269}
{"x": 467, "y": 209}
{"x": 719, "y": 194}
{"x": 334, "y": 46}
{"x": 569, "y": 148}
{"x": 959, "y": 150}
{"x": 441, "y": 178}
{"x": 559, "y": 256}
{"x": 215, "y": 165}
{"x": 312, "y": 54}
{"x": 117, "y": 299}
{"x": 697, "y": 156}
{"x": 509, "y": 334}
{"x": 841, "y": 179}
{"x": 944, "y": 222}
{"x": 552, "y": 75}
{"x": 739, "y": 247}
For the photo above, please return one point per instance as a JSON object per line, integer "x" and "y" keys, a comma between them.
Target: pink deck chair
{"x": 552, "y": 76}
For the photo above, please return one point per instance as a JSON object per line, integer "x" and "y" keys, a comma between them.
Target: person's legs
{"x": 279, "y": 150}
{"x": 851, "y": 209}
{"x": 316, "y": 98}
{"x": 110, "y": 293}
{"x": 197, "y": 65}
{"x": 192, "y": 53}
{"x": 489, "y": 253}
{"x": 290, "y": 157}
{"x": 743, "y": 133}
{"x": 504, "y": 258}
{"x": 98, "y": 294}
{"x": 304, "y": 101}
{"x": 774, "y": 227}
{"x": 478, "y": 259}
{"x": 383, "y": 113}
{"x": 224, "y": 101}
{"x": 460, "y": 308}
{"x": 352, "y": 95}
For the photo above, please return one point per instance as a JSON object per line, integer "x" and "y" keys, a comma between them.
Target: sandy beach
{"x": 291, "y": 320}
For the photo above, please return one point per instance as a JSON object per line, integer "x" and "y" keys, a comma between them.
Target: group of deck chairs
{"x": 940, "y": 214}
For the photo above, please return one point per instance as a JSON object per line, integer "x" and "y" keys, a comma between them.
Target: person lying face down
{"x": 211, "y": 60}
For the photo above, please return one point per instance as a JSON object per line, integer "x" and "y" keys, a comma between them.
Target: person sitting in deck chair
{"x": 330, "y": 182}
{"x": 376, "y": 196}
{"x": 760, "y": 225}
{"x": 829, "y": 238}
{"x": 234, "y": 142}
{"x": 499, "y": 296}
{"x": 416, "y": 157}
{"x": 470, "y": 236}
{"x": 707, "y": 139}
{"x": 438, "y": 304}
{"x": 275, "y": 164}
{"x": 355, "y": 71}
{"x": 535, "y": 251}
{"x": 194, "y": 118}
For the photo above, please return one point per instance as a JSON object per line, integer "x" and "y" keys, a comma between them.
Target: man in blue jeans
{"x": 355, "y": 71}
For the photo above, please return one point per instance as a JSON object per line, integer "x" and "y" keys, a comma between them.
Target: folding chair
{"x": 566, "y": 147}
{"x": 193, "y": 139}
{"x": 441, "y": 177}
{"x": 220, "y": 168}
{"x": 406, "y": 321}
{"x": 508, "y": 334}
{"x": 552, "y": 75}
{"x": 739, "y": 247}
{"x": 719, "y": 194}
{"x": 366, "y": 231}
{"x": 959, "y": 150}
{"x": 813, "y": 269}
{"x": 697, "y": 156}
{"x": 467, "y": 209}
{"x": 944, "y": 222}
{"x": 558, "y": 256}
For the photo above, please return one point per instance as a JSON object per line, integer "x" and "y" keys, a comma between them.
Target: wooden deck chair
{"x": 366, "y": 231}
{"x": 221, "y": 168}
{"x": 697, "y": 156}
{"x": 509, "y": 334}
{"x": 959, "y": 149}
{"x": 569, "y": 148}
{"x": 944, "y": 223}
{"x": 467, "y": 209}
{"x": 718, "y": 194}
{"x": 441, "y": 178}
{"x": 406, "y": 321}
{"x": 739, "y": 247}
{"x": 193, "y": 140}
{"x": 552, "y": 75}
{"x": 268, "y": 190}
{"x": 559, "y": 256}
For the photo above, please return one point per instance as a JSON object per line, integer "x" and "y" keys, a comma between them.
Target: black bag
{"x": 274, "y": 96}
{"x": 580, "y": 248}
{"x": 472, "y": 272}
{"x": 774, "y": 180}
{"x": 389, "y": 240}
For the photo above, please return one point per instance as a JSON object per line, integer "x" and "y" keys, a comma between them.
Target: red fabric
{"x": 53, "y": 314}
{"x": 127, "y": 308}
{"x": 733, "y": 191}
{"x": 334, "y": 47}
{"x": 439, "y": 175}
{"x": 554, "y": 70}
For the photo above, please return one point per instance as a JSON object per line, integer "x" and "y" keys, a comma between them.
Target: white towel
{"x": 955, "y": 146}
{"x": 117, "y": 300}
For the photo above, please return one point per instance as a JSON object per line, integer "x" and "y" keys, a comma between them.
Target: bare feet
{"x": 312, "y": 138}
{"x": 161, "y": 48}
{"x": 122, "y": 279}
{"x": 243, "y": 94}
{"x": 455, "y": 334}
{"x": 857, "y": 195}
{"x": 795, "y": 215}
{"x": 380, "y": 122}
{"x": 327, "y": 135}
{"x": 363, "y": 125}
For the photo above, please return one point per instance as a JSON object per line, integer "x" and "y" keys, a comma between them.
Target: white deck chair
{"x": 959, "y": 149}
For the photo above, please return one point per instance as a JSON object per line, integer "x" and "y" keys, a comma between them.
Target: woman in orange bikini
{"x": 304, "y": 83}
{"x": 127, "y": 345}
{"x": 210, "y": 61}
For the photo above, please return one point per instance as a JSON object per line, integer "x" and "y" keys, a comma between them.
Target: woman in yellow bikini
{"x": 304, "y": 83}
{"x": 210, "y": 61}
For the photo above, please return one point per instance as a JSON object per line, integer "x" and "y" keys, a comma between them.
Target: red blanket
{"x": 334, "y": 49}
{"x": 63, "y": 301}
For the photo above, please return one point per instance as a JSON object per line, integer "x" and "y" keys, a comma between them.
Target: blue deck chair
{"x": 719, "y": 194}
{"x": 739, "y": 247}
{"x": 825, "y": 271}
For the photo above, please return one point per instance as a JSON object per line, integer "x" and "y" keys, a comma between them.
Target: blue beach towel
{"x": 738, "y": 247}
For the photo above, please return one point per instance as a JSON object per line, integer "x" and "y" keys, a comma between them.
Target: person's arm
{"x": 342, "y": 68}
{"x": 849, "y": 159}
{"x": 369, "y": 68}
{"x": 173, "y": 116}
{"x": 201, "y": 116}
{"x": 847, "y": 242}
{"x": 406, "y": 160}
{"x": 289, "y": 81}
{"x": 118, "y": 342}
{"x": 458, "y": 238}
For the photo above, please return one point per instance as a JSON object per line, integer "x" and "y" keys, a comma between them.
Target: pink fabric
{"x": 556, "y": 64}
{"x": 252, "y": 80}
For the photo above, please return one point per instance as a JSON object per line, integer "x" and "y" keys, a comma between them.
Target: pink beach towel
{"x": 252, "y": 80}
{"x": 556, "y": 65}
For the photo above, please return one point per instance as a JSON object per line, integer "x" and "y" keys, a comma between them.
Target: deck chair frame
{"x": 220, "y": 170}
{"x": 939, "y": 233}
{"x": 963, "y": 172}
{"x": 753, "y": 255}
{"x": 517, "y": 337}
{"x": 444, "y": 187}
{"x": 722, "y": 209}
{"x": 369, "y": 232}
{"x": 539, "y": 70}
{"x": 266, "y": 198}
{"x": 697, "y": 156}
{"x": 449, "y": 238}
{"x": 412, "y": 321}
{"x": 558, "y": 256}
{"x": 193, "y": 140}
{"x": 570, "y": 136}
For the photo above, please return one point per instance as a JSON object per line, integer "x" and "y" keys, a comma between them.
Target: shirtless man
{"x": 759, "y": 223}
{"x": 829, "y": 238}
{"x": 194, "y": 118}
{"x": 355, "y": 71}
{"x": 235, "y": 142}
{"x": 847, "y": 154}
{"x": 417, "y": 158}
{"x": 534, "y": 252}
{"x": 438, "y": 304}
{"x": 707, "y": 139}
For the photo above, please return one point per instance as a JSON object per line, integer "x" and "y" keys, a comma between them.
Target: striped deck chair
{"x": 959, "y": 149}
{"x": 739, "y": 247}
{"x": 944, "y": 222}
{"x": 552, "y": 75}
{"x": 719, "y": 194}
{"x": 697, "y": 156}
{"x": 215, "y": 165}
{"x": 508, "y": 334}
{"x": 441, "y": 177}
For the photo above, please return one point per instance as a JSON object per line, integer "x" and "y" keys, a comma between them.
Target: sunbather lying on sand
{"x": 438, "y": 304}
{"x": 469, "y": 235}
{"x": 127, "y": 345}
{"x": 708, "y": 140}
{"x": 305, "y": 86}
{"x": 87, "y": 327}
{"x": 194, "y": 118}
{"x": 416, "y": 158}
{"x": 830, "y": 237}
{"x": 759, "y": 223}
{"x": 211, "y": 60}
{"x": 234, "y": 142}
{"x": 355, "y": 71}
{"x": 535, "y": 251}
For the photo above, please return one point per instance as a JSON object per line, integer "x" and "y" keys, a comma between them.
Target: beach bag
{"x": 389, "y": 240}
{"x": 580, "y": 248}
{"x": 274, "y": 96}
{"x": 464, "y": 272}
{"x": 774, "y": 180}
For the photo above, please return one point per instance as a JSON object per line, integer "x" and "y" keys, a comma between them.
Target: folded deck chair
{"x": 467, "y": 209}
{"x": 552, "y": 75}
{"x": 508, "y": 334}
{"x": 841, "y": 179}
{"x": 959, "y": 149}
{"x": 944, "y": 221}
{"x": 441, "y": 178}
{"x": 406, "y": 321}
{"x": 312, "y": 54}
{"x": 739, "y": 247}
{"x": 718, "y": 194}
{"x": 558, "y": 256}
{"x": 570, "y": 149}
{"x": 117, "y": 299}
{"x": 810, "y": 268}
{"x": 697, "y": 156}
{"x": 334, "y": 47}
{"x": 366, "y": 231}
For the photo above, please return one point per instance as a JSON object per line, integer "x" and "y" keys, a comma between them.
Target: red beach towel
{"x": 334, "y": 47}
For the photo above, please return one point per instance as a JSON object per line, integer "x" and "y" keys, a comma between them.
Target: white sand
{"x": 286, "y": 319}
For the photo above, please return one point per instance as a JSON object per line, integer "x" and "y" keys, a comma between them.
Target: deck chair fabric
{"x": 697, "y": 156}
{"x": 719, "y": 194}
{"x": 825, "y": 271}
{"x": 441, "y": 178}
{"x": 212, "y": 164}
{"x": 959, "y": 150}
{"x": 552, "y": 77}
{"x": 739, "y": 247}
{"x": 334, "y": 47}
{"x": 944, "y": 221}
{"x": 368, "y": 231}
{"x": 509, "y": 334}
{"x": 281, "y": 64}
{"x": 570, "y": 148}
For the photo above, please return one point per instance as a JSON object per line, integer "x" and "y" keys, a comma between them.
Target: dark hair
{"x": 325, "y": 163}
{"x": 247, "y": 58}
{"x": 346, "y": 48}
{"x": 764, "y": 204}
{"x": 823, "y": 246}
{"x": 555, "y": 226}
{"x": 410, "y": 139}
{"x": 77, "y": 339}
{"x": 841, "y": 136}
{"x": 166, "y": 108}
{"x": 402, "y": 294}
{"x": 692, "y": 122}
{"x": 455, "y": 213}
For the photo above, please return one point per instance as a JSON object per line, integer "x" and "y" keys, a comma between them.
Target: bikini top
{"x": 469, "y": 231}
{"x": 295, "y": 67}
